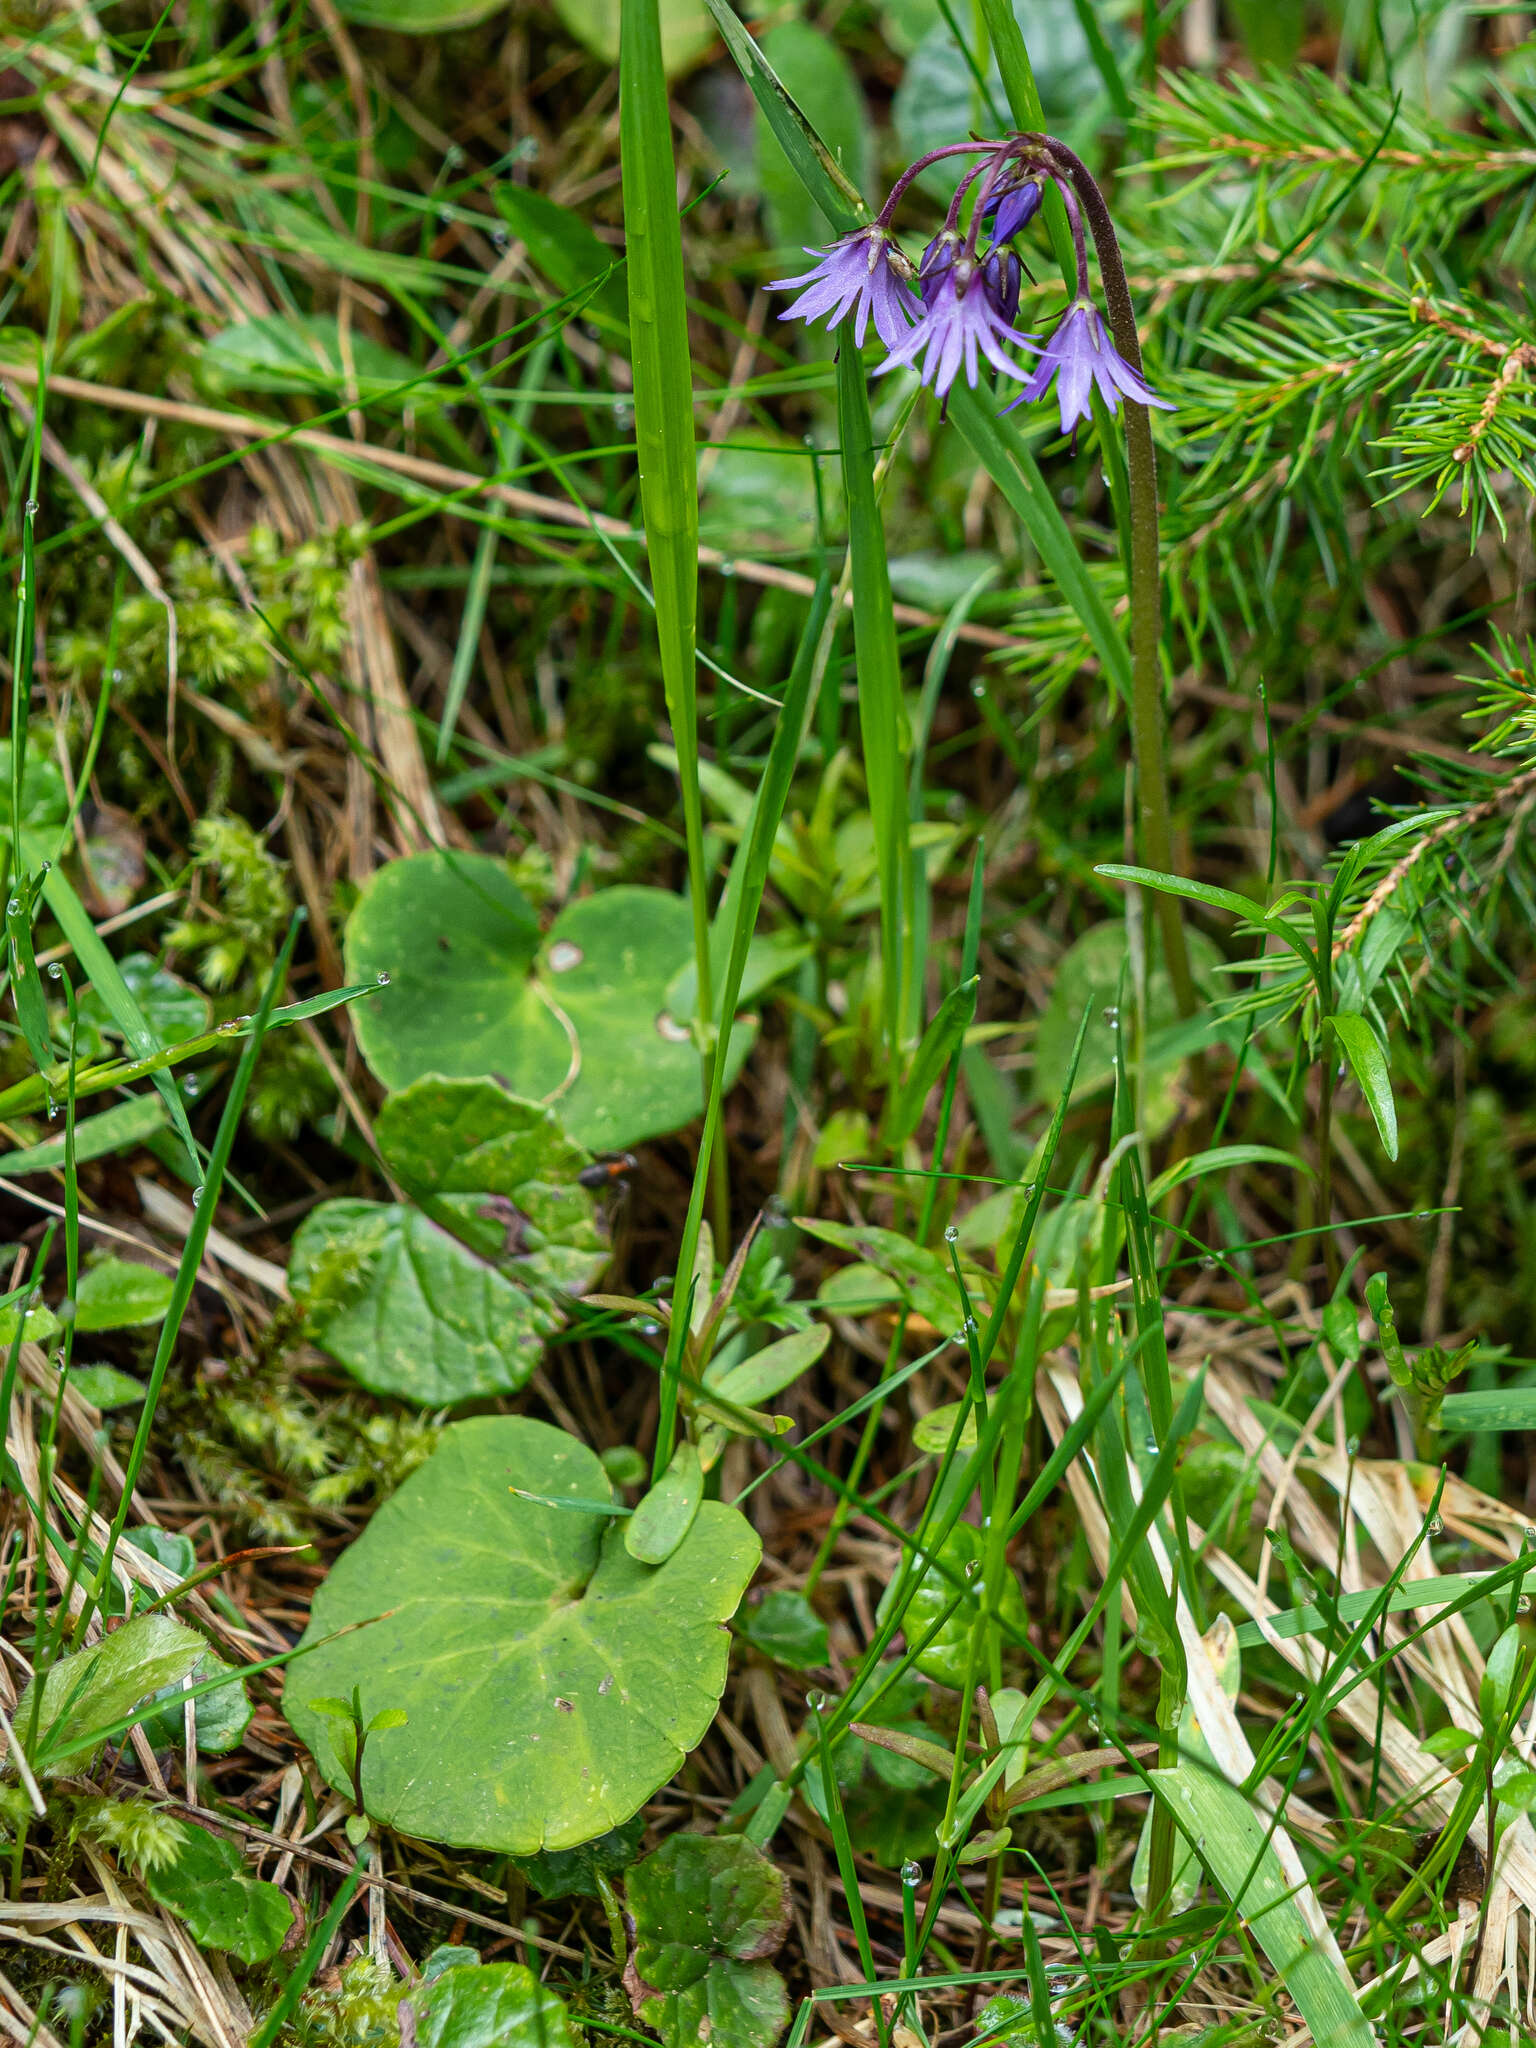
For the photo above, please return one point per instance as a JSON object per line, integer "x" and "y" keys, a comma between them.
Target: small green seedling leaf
{"x": 224, "y": 1909}
{"x": 665, "y": 1516}
{"x": 1368, "y": 1063}
{"x": 769, "y": 1371}
{"x": 565, "y": 1679}
{"x": 931, "y": 1433}
{"x": 924, "y": 1280}
{"x": 94, "y": 1688}
{"x": 37, "y": 1326}
{"x": 105, "y": 1388}
{"x": 708, "y": 1912}
{"x": 1498, "y": 1681}
{"x": 1176, "y": 885}
{"x": 120, "y": 1294}
{"x": 1222, "y": 1159}
{"x": 1450, "y": 1742}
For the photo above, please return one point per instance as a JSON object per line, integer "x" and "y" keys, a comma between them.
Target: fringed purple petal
{"x": 1081, "y": 356}
{"x": 853, "y": 277}
{"x": 958, "y": 327}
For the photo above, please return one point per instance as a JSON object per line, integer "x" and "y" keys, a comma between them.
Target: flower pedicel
{"x": 959, "y": 305}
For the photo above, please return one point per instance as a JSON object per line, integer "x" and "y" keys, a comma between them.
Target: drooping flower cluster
{"x": 958, "y": 305}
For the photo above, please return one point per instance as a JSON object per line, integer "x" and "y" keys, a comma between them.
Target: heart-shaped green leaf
{"x": 452, "y": 1299}
{"x": 575, "y": 1873}
{"x": 579, "y": 1020}
{"x": 552, "y": 1683}
{"x": 207, "y": 1887}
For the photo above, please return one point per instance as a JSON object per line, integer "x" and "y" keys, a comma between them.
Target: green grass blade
{"x": 663, "y": 397}
{"x": 1239, "y": 1849}
{"x": 882, "y": 715}
{"x": 940, "y": 1044}
{"x": 753, "y": 862}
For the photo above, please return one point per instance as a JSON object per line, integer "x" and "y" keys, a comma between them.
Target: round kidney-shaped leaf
{"x": 456, "y": 937}
{"x": 578, "y": 1020}
{"x": 551, "y": 1683}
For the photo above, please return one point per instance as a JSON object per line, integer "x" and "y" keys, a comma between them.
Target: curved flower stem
{"x": 893, "y": 197}
{"x": 1146, "y": 589}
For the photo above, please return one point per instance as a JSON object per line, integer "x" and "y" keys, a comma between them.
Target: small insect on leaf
{"x": 610, "y": 1171}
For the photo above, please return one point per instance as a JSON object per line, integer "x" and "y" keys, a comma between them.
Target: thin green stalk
{"x": 752, "y": 863}
{"x": 305, "y": 1968}
{"x": 664, "y": 445}
{"x": 1156, "y": 806}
